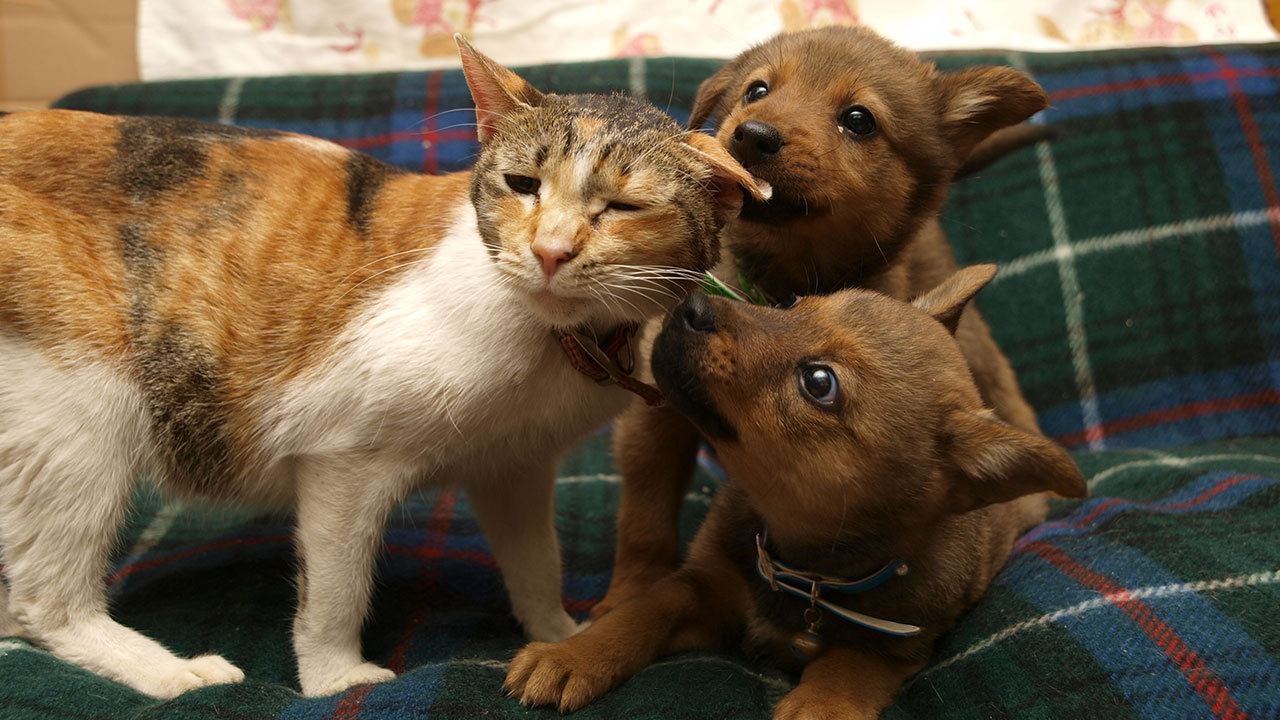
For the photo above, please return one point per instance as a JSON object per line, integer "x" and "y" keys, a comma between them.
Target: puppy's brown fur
{"x": 904, "y": 462}
{"x": 848, "y": 210}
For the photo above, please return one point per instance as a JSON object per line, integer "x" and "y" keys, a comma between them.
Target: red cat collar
{"x": 608, "y": 360}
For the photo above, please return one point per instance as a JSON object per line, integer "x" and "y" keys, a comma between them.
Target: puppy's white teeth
{"x": 766, "y": 190}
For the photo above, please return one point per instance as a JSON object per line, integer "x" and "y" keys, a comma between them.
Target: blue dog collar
{"x": 784, "y": 578}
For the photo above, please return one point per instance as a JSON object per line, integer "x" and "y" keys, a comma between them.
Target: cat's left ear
{"x": 730, "y": 179}
{"x": 496, "y": 91}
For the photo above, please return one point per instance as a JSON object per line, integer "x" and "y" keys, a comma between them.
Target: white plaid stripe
{"x": 1155, "y": 591}
{"x": 1130, "y": 238}
{"x": 1072, "y": 297}
{"x": 1166, "y": 460}
{"x": 8, "y": 646}
{"x": 230, "y": 102}
{"x": 774, "y": 682}
{"x": 154, "y": 531}
{"x": 635, "y": 78}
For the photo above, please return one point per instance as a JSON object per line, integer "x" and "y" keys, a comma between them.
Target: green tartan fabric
{"x": 1036, "y": 647}
{"x": 1139, "y": 300}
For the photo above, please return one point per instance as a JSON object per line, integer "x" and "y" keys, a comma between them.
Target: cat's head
{"x": 601, "y": 208}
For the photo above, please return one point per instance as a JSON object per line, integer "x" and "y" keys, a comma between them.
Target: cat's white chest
{"x": 447, "y": 369}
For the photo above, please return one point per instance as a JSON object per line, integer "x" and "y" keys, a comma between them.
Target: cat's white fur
{"x": 448, "y": 378}
{"x": 70, "y": 441}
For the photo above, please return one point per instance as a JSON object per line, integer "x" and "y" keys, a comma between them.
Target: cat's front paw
{"x": 808, "y": 702}
{"x": 553, "y": 628}
{"x": 184, "y": 675}
{"x": 547, "y": 674}
{"x": 363, "y": 674}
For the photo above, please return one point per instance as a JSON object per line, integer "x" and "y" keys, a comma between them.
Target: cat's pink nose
{"x": 552, "y": 254}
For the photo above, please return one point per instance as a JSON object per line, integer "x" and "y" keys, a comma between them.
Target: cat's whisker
{"x": 660, "y": 276}
{"x": 665, "y": 285}
{"x": 652, "y": 284}
{"x": 384, "y": 257}
{"x": 371, "y": 277}
{"x": 605, "y": 297}
{"x": 620, "y": 299}
{"x": 609, "y": 290}
{"x": 656, "y": 270}
{"x": 514, "y": 122}
{"x": 645, "y": 296}
{"x": 655, "y": 267}
{"x": 433, "y": 116}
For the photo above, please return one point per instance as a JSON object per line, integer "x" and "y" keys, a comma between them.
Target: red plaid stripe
{"x": 1191, "y": 665}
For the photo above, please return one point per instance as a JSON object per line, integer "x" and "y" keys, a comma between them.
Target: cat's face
{"x": 598, "y": 207}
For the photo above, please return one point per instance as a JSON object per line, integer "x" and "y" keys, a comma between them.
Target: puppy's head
{"x": 850, "y": 411}
{"x": 853, "y": 131}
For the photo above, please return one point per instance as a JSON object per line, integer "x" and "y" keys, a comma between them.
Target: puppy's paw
{"x": 545, "y": 674}
{"x": 810, "y": 703}
{"x": 183, "y": 675}
{"x": 364, "y": 673}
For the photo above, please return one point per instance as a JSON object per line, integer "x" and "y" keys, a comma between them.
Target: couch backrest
{"x": 1139, "y": 291}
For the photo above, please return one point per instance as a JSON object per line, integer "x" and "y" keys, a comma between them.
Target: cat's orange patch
{"x": 588, "y": 127}
{"x": 60, "y": 267}
{"x": 239, "y": 262}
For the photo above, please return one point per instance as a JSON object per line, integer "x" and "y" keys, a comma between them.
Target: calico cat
{"x": 269, "y": 318}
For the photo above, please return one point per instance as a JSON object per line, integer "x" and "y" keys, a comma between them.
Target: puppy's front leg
{"x": 655, "y": 450}
{"x": 845, "y": 684}
{"x": 340, "y": 523}
{"x": 671, "y": 616}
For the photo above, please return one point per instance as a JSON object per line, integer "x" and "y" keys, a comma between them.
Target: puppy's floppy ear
{"x": 976, "y": 102}
{"x": 730, "y": 180}
{"x": 948, "y": 300}
{"x": 496, "y": 91}
{"x": 710, "y": 92}
{"x": 995, "y": 462}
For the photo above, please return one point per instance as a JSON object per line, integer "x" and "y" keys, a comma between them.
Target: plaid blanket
{"x": 1139, "y": 300}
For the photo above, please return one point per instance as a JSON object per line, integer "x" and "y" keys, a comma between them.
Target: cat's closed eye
{"x": 523, "y": 184}
{"x": 622, "y": 207}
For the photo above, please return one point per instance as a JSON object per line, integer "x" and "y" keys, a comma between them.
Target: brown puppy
{"x": 857, "y": 446}
{"x": 859, "y": 139}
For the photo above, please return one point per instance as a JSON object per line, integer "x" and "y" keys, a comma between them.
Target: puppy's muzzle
{"x": 755, "y": 142}
{"x": 697, "y": 314}
{"x": 677, "y": 365}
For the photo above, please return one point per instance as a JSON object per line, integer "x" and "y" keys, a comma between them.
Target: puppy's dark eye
{"x": 786, "y": 303}
{"x": 522, "y": 184}
{"x": 622, "y": 207}
{"x": 818, "y": 383}
{"x": 755, "y": 91}
{"x": 858, "y": 120}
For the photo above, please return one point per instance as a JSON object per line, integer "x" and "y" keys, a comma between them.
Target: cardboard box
{"x": 51, "y": 47}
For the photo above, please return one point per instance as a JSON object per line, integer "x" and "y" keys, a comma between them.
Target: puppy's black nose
{"x": 754, "y": 142}
{"x": 697, "y": 313}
